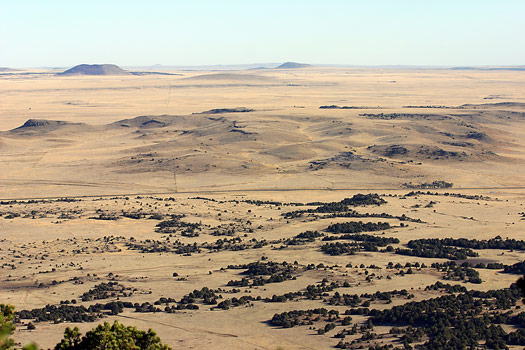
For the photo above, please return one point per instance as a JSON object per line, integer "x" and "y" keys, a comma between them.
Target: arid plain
{"x": 136, "y": 188}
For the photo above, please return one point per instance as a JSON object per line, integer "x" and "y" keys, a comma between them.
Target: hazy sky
{"x": 199, "y": 32}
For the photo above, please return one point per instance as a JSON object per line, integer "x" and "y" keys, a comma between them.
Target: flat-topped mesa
{"x": 7, "y": 69}
{"x": 290, "y": 65}
{"x": 227, "y": 110}
{"x": 95, "y": 69}
{"x": 42, "y": 125}
{"x": 43, "y": 122}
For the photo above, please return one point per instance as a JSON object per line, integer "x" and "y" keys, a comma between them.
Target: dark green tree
{"x": 111, "y": 337}
{"x": 521, "y": 284}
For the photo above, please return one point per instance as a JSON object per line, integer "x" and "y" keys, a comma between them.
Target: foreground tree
{"x": 111, "y": 337}
{"x": 521, "y": 284}
{"x": 7, "y": 328}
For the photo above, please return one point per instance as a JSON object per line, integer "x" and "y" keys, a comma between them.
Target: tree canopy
{"x": 111, "y": 337}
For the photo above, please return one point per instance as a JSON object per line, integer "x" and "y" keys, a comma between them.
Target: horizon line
{"x": 271, "y": 64}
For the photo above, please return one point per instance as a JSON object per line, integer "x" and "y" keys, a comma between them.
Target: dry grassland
{"x": 142, "y": 178}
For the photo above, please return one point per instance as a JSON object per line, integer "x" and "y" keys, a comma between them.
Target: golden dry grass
{"x": 286, "y": 150}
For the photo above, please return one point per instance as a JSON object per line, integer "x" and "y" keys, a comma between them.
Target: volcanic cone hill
{"x": 95, "y": 69}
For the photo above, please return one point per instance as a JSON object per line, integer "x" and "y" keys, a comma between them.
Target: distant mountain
{"x": 216, "y": 67}
{"x": 516, "y": 68}
{"x": 95, "y": 69}
{"x": 5, "y": 69}
{"x": 289, "y": 65}
{"x": 230, "y": 77}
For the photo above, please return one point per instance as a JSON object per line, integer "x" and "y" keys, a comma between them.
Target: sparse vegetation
{"x": 454, "y": 321}
{"x": 426, "y": 185}
{"x": 358, "y": 227}
{"x": 435, "y": 249}
{"x": 105, "y": 291}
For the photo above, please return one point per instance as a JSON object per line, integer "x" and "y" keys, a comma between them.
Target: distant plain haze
{"x": 61, "y": 33}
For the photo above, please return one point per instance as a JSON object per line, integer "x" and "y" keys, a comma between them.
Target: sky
{"x": 64, "y": 33}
